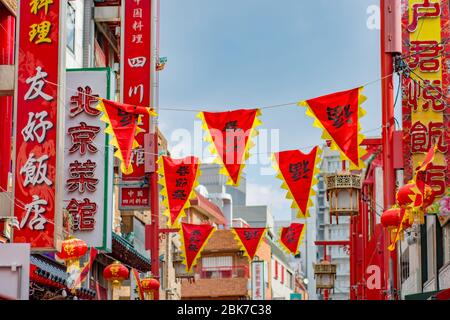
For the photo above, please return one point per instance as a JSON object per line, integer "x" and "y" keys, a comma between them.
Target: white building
{"x": 282, "y": 274}
{"x": 302, "y": 264}
{"x": 327, "y": 230}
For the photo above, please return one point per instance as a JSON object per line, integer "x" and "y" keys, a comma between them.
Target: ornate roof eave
{"x": 124, "y": 251}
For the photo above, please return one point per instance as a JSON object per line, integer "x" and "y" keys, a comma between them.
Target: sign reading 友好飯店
{"x": 425, "y": 25}
{"x": 39, "y": 124}
{"x": 88, "y": 158}
{"x": 258, "y": 281}
{"x": 136, "y": 90}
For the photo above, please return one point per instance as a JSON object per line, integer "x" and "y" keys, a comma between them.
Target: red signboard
{"x": 134, "y": 197}
{"x": 37, "y": 173}
{"x": 136, "y": 86}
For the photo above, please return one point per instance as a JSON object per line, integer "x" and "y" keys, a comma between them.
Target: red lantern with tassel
{"x": 116, "y": 273}
{"x": 72, "y": 249}
{"x": 391, "y": 218}
{"x": 406, "y": 194}
{"x": 150, "y": 286}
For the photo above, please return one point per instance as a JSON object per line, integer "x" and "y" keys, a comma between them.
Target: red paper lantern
{"x": 406, "y": 194}
{"x": 150, "y": 284}
{"x": 116, "y": 272}
{"x": 72, "y": 249}
{"x": 391, "y": 218}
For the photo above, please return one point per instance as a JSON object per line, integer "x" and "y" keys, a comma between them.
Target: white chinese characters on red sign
{"x": 36, "y": 145}
{"x": 136, "y": 89}
{"x": 134, "y": 197}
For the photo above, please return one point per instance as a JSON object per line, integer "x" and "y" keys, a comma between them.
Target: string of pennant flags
{"x": 230, "y": 136}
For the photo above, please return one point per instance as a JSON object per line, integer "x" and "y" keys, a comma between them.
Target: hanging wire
{"x": 201, "y": 110}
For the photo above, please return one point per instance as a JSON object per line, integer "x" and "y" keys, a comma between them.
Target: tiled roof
{"x": 124, "y": 251}
{"x": 53, "y": 274}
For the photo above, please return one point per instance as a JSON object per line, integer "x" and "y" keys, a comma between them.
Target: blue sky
{"x": 229, "y": 54}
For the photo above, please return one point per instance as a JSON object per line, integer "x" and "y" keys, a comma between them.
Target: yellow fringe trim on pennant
{"x": 218, "y": 159}
{"x": 113, "y": 141}
{"x": 286, "y": 249}
{"x": 289, "y": 195}
{"x": 326, "y": 136}
{"x": 183, "y": 252}
{"x": 239, "y": 241}
{"x": 165, "y": 202}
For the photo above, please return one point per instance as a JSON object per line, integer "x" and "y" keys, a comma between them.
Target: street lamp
{"x": 343, "y": 190}
{"x": 325, "y": 274}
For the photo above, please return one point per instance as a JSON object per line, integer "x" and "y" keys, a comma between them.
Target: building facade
{"x": 223, "y": 272}
{"x": 326, "y": 229}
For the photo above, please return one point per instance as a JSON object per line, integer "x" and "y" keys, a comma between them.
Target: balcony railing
{"x": 224, "y": 272}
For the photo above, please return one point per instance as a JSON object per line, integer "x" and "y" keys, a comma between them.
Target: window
{"x": 71, "y": 27}
{"x": 276, "y": 269}
{"x": 217, "y": 267}
{"x": 431, "y": 248}
{"x": 404, "y": 261}
{"x": 217, "y": 262}
{"x": 289, "y": 280}
{"x": 282, "y": 274}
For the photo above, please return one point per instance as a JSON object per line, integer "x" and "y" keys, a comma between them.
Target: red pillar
{"x": 387, "y": 90}
{"x": 7, "y": 24}
{"x": 325, "y": 294}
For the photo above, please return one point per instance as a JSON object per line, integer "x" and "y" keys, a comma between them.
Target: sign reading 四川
{"x": 425, "y": 25}
{"x": 136, "y": 89}
{"x": 39, "y": 124}
{"x": 88, "y": 158}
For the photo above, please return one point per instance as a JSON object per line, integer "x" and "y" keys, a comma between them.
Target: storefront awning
{"x": 46, "y": 272}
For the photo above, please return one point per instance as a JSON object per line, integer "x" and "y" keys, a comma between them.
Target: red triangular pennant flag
{"x": 290, "y": 237}
{"x": 429, "y": 157}
{"x": 338, "y": 115}
{"x": 298, "y": 172}
{"x": 179, "y": 178}
{"x": 140, "y": 290}
{"x": 230, "y": 136}
{"x": 194, "y": 238}
{"x": 250, "y": 239}
{"x": 123, "y": 120}
{"x": 84, "y": 272}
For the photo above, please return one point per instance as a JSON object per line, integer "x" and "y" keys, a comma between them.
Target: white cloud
{"x": 274, "y": 198}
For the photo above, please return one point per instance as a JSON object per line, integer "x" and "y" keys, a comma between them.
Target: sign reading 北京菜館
{"x": 88, "y": 158}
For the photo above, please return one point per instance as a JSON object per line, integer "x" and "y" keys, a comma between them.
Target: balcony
{"x": 210, "y": 283}
{"x": 224, "y": 272}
